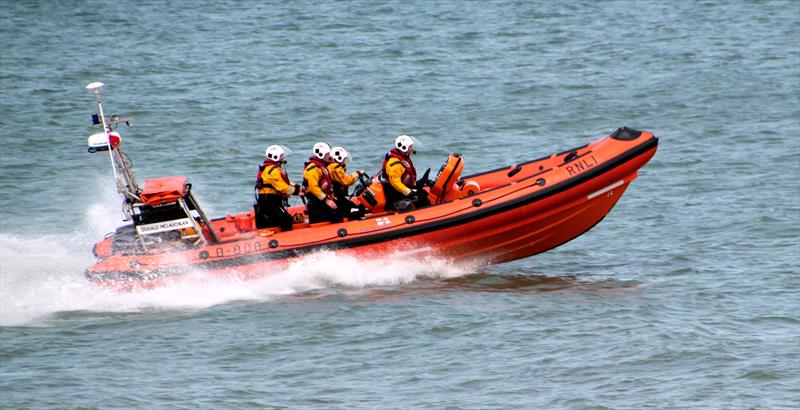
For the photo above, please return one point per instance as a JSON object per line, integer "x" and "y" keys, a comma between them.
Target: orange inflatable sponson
{"x": 161, "y": 191}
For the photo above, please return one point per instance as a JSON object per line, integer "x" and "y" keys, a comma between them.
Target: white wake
{"x": 40, "y": 276}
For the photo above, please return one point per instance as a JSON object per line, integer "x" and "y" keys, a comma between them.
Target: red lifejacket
{"x": 268, "y": 162}
{"x": 325, "y": 182}
{"x": 409, "y": 177}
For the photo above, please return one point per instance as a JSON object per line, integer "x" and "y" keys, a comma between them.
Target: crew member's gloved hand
{"x": 330, "y": 203}
{"x": 414, "y": 195}
{"x": 361, "y": 172}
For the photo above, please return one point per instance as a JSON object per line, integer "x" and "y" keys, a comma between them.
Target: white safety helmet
{"x": 321, "y": 149}
{"x": 404, "y": 143}
{"x": 339, "y": 154}
{"x": 276, "y": 153}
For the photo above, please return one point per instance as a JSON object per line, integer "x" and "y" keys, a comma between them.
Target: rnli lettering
{"x": 580, "y": 165}
{"x": 220, "y": 252}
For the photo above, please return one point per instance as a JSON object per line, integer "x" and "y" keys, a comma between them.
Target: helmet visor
{"x": 337, "y": 152}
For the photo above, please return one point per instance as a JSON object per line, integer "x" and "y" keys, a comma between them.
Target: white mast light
{"x": 95, "y": 87}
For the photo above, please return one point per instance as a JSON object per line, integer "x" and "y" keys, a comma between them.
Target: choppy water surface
{"x": 686, "y": 296}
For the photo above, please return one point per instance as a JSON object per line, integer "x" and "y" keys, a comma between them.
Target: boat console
{"x": 447, "y": 186}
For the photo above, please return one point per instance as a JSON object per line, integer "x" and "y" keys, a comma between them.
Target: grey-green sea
{"x": 687, "y": 295}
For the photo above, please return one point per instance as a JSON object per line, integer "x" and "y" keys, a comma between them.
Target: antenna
{"x": 95, "y": 88}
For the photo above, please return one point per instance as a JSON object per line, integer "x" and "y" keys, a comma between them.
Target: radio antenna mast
{"x": 95, "y": 88}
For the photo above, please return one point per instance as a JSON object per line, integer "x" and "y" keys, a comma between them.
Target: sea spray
{"x": 43, "y": 276}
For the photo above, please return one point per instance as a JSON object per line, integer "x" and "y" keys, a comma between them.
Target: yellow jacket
{"x": 394, "y": 172}
{"x": 336, "y": 170}
{"x": 276, "y": 182}
{"x": 317, "y": 181}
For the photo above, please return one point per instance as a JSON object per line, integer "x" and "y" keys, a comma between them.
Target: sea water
{"x": 686, "y": 296}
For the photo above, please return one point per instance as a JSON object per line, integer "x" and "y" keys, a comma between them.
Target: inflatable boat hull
{"x": 520, "y": 211}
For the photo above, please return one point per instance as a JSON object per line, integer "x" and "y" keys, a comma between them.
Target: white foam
{"x": 40, "y": 276}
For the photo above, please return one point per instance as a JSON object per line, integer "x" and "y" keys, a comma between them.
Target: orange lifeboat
{"x": 490, "y": 217}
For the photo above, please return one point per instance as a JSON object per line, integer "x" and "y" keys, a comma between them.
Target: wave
{"x": 43, "y": 275}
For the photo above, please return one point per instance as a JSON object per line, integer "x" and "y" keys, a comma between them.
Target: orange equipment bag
{"x": 161, "y": 191}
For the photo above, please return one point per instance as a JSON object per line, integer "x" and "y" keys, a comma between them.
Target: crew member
{"x": 399, "y": 174}
{"x": 274, "y": 189}
{"x": 319, "y": 186}
{"x": 342, "y": 181}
